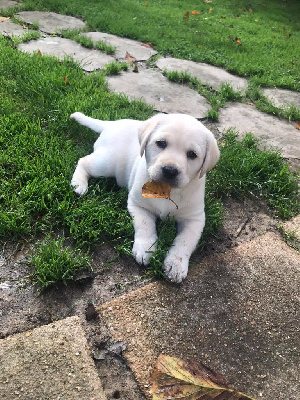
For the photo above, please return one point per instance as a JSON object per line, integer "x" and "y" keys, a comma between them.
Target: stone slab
{"x": 89, "y": 59}
{"x": 123, "y": 45}
{"x": 293, "y": 225}
{"x": 5, "y": 4}
{"x": 273, "y": 132}
{"x": 282, "y": 97}
{"x": 50, "y": 22}
{"x": 206, "y": 73}
{"x": 8, "y": 28}
{"x": 152, "y": 87}
{"x": 50, "y": 362}
{"x": 238, "y": 312}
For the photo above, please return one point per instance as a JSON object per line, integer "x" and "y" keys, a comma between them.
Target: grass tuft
{"x": 55, "y": 263}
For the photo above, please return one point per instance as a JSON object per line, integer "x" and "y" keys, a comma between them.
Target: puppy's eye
{"x": 191, "y": 155}
{"x": 162, "y": 144}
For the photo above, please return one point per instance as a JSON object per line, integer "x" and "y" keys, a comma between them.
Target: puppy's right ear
{"x": 146, "y": 130}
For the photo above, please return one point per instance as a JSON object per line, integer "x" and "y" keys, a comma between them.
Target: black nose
{"x": 170, "y": 172}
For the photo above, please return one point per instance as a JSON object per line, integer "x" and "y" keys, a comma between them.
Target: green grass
{"x": 85, "y": 41}
{"x": 269, "y": 31}
{"x": 55, "y": 263}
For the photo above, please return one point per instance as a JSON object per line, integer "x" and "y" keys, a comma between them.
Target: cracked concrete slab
{"x": 123, "y": 45}
{"x": 56, "y": 356}
{"x": 8, "y": 28}
{"x": 155, "y": 89}
{"x": 89, "y": 59}
{"x": 237, "y": 312}
{"x": 5, "y": 4}
{"x": 206, "y": 73}
{"x": 274, "y": 133}
{"x": 282, "y": 97}
{"x": 50, "y": 22}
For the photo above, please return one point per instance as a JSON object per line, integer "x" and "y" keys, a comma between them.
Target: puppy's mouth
{"x": 169, "y": 174}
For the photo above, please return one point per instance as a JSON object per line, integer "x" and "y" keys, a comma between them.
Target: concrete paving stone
{"x": 50, "y": 22}
{"x": 206, "y": 73}
{"x": 5, "y": 4}
{"x": 282, "y": 97}
{"x": 293, "y": 225}
{"x": 274, "y": 133}
{"x": 89, "y": 59}
{"x": 152, "y": 87}
{"x": 238, "y": 312}
{"x": 123, "y": 45}
{"x": 50, "y": 362}
{"x": 8, "y": 28}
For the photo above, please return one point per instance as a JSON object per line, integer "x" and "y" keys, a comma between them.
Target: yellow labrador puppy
{"x": 174, "y": 148}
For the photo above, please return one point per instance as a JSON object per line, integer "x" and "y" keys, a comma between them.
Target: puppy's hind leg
{"x": 97, "y": 164}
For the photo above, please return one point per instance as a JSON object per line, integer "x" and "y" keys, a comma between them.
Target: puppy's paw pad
{"x": 142, "y": 252}
{"x": 77, "y": 116}
{"x": 79, "y": 188}
{"x": 176, "y": 269}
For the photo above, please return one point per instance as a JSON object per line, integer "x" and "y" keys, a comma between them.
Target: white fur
{"x": 128, "y": 151}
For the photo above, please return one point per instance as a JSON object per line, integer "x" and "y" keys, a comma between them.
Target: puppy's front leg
{"x": 177, "y": 260}
{"x": 145, "y": 236}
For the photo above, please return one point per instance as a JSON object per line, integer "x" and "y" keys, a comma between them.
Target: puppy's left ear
{"x": 145, "y": 131}
{"x": 211, "y": 157}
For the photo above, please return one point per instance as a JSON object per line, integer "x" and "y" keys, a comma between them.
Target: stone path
{"x": 238, "y": 311}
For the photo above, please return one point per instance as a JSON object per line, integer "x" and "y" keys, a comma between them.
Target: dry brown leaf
{"x": 3, "y": 19}
{"x": 194, "y": 12}
{"x": 147, "y": 44}
{"x": 129, "y": 58}
{"x": 207, "y": 1}
{"x": 298, "y": 125}
{"x": 173, "y": 378}
{"x": 39, "y": 52}
{"x": 186, "y": 15}
{"x": 157, "y": 190}
{"x": 238, "y": 40}
{"x": 66, "y": 80}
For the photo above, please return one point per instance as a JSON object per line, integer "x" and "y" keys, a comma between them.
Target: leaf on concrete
{"x": 129, "y": 58}
{"x": 173, "y": 378}
{"x": 149, "y": 45}
{"x": 3, "y": 19}
{"x": 298, "y": 125}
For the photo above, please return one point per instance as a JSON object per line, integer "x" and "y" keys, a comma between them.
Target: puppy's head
{"x": 178, "y": 148}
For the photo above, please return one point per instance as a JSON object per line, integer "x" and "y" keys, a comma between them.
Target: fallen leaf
{"x": 135, "y": 68}
{"x": 238, "y": 40}
{"x": 27, "y": 334}
{"x": 39, "y": 52}
{"x": 173, "y": 378}
{"x": 66, "y": 80}
{"x": 194, "y": 12}
{"x": 298, "y": 125}
{"x": 210, "y": 9}
{"x": 129, "y": 58}
{"x": 147, "y": 44}
{"x": 207, "y": 1}
{"x": 3, "y": 19}
{"x": 157, "y": 190}
{"x": 186, "y": 15}
{"x": 250, "y": 9}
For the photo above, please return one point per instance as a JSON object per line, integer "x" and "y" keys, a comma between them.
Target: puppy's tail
{"x": 95, "y": 124}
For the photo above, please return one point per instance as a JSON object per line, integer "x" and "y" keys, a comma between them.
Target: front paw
{"x": 80, "y": 186}
{"x": 176, "y": 267}
{"x": 143, "y": 250}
